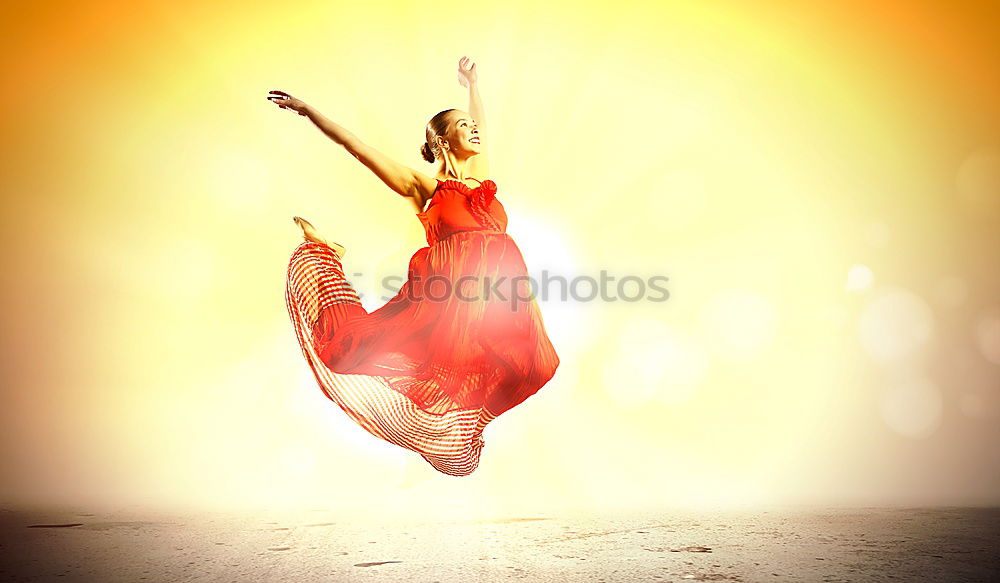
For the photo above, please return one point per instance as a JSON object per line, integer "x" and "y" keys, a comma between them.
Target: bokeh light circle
{"x": 859, "y": 278}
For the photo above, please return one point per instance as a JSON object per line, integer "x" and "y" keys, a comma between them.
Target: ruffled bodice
{"x": 455, "y": 207}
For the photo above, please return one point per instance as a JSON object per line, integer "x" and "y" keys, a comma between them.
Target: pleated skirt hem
{"x": 451, "y": 442}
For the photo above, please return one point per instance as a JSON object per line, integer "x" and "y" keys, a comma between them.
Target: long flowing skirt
{"x": 425, "y": 372}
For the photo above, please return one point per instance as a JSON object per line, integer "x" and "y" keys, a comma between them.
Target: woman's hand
{"x": 286, "y": 101}
{"x": 466, "y": 76}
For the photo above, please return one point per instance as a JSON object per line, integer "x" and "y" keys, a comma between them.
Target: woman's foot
{"x": 311, "y": 234}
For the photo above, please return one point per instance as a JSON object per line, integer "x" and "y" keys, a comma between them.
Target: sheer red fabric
{"x": 462, "y": 341}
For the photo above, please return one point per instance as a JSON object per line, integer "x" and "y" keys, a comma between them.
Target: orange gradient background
{"x": 820, "y": 182}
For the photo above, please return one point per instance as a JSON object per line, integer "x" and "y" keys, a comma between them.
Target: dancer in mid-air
{"x": 463, "y": 340}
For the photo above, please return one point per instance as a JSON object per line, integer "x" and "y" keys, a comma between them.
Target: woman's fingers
{"x": 286, "y": 101}
{"x": 462, "y": 65}
{"x": 283, "y": 104}
{"x": 464, "y": 72}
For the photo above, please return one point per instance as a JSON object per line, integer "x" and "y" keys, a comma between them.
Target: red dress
{"x": 462, "y": 341}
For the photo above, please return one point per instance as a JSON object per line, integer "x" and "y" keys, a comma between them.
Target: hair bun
{"x": 425, "y": 151}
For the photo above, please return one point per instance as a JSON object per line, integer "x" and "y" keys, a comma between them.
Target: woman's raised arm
{"x": 402, "y": 179}
{"x": 479, "y": 164}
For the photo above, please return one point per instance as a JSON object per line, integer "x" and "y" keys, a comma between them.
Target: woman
{"x": 463, "y": 340}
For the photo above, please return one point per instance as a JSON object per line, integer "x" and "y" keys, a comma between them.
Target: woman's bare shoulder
{"x": 425, "y": 186}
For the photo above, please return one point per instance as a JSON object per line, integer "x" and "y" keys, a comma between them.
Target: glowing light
{"x": 176, "y": 217}
{"x": 859, "y": 278}
{"x": 912, "y": 407}
{"x": 742, "y": 321}
{"x": 548, "y": 257}
{"x": 988, "y": 337}
{"x": 542, "y": 246}
{"x": 895, "y": 324}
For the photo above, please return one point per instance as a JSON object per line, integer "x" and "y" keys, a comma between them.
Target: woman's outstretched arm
{"x": 402, "y": 179}
{"x": 479, "y": 164}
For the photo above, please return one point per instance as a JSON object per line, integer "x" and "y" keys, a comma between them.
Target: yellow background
{"x": 819, "y": 181}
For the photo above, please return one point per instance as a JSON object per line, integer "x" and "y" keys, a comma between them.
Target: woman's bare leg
{"x": 311, "y": 234}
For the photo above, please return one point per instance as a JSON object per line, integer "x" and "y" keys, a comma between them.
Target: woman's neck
{"x": 454, "y": 169}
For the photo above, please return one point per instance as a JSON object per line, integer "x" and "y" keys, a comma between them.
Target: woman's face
{"x": 463, "y": 135}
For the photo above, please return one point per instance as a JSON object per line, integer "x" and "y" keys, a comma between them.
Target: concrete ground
{"x": 868, "y": 544}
